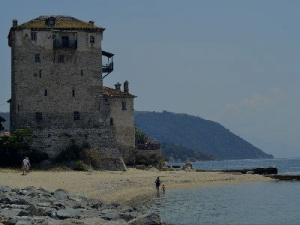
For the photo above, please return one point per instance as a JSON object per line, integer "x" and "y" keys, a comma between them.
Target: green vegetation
{"x": 2, "y": 120}
{"x": 81, "y": 166}
{"x": 179, "y": 153}
{"x": 200, "y": 135}
{"x": 82, "y": 154}
{"x": 15, "y": 147}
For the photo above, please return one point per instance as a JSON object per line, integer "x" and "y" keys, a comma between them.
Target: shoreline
{"x": 132, "y": 187}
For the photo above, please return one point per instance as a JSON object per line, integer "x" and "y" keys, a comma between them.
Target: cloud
{"x": 258, "y": 103}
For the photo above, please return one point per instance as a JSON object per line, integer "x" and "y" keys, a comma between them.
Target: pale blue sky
{"x": 234, "y": 62}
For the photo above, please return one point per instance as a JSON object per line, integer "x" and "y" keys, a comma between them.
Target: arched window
{"x": 92, "y": 39}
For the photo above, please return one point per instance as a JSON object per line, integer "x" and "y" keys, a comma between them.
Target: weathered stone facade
{"x": 57, "y": 88}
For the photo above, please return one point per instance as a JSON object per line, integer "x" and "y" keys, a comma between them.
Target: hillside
{"x": 203, "y": 136}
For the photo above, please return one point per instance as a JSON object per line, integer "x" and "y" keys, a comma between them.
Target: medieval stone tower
{"x": 57, "y": 87}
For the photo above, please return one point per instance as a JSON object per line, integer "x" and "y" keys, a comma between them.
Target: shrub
{"x": 91, "y": 157}
{"x": 71, "y": 153}
{"x": 81, "y": 166}
{"x": 18, "y": 145}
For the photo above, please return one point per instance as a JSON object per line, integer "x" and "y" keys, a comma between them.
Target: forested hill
{"x": 200, "y": 135}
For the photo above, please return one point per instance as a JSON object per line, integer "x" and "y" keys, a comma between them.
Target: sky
{"x": 234, "y": 62}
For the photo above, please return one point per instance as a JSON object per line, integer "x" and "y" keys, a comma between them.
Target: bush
{"x": 70, "y": 154}
{"x": 15, "y": 147}
{"x": 81, "y": 166}
{"x": 91, "y": 156}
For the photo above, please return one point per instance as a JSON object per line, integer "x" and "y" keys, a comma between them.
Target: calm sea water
{"x": 274, "y": 202}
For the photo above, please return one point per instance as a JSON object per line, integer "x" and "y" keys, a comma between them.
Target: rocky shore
{"x": 30, "y": 205}
{"x": 95, "y": 197}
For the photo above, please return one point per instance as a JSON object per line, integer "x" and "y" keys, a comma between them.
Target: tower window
{"x": 46, "y": 92}
{"x": 76, "y": 115}
{"x": 73, "y": 93}
{"x": 33, "y": 36}
{"x": 61, "y": 59}
{"x": 18, "y": 108}
{"x": 81, "y": 72}
{"x": 40, "y": 73}
{"x": 92, "y": 39}
{"x": 38, "y": 117}
{"x": 37, "y": 57}
{"x": 123, "y": 105}
{"x": 111, "y": 121}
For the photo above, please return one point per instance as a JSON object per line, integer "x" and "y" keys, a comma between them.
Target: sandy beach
{"x": 122, "y": 187}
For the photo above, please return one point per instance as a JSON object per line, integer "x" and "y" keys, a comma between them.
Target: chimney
{"x": 15, "y": 23}
{"x": 91, "y": 22}
{"x": 118, "y": 86}
{"x": 126, "y": 88}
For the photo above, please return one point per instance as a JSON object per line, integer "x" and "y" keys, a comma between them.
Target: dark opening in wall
{"x": 61, "y": 59}
{"x": 38, "y": 117}
{"x": 40, "y": 73}
{"x": 76, "y": 115}
{"x": 37, "y": 58}
{"x": 123, "y": 105}
{"x": 33, "y": 36}
{"x": 92, "y": 39}
{"x": 81, "y": 72}
{"x": 73, "y": 92}
{"x": 18, "y": 108}
{"x": 46, "y": 92}
{"x": 111, "y": 121}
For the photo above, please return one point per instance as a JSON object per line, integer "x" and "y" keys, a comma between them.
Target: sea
{"x": 262, "y": 203}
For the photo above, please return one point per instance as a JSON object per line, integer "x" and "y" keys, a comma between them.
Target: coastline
{"x": 133, "y": 187}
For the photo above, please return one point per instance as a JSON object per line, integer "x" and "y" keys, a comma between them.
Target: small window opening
{"x": 76, "y": 115}
{"x": 46, "y": 92}
{"x": 92, "y": 39}
{"x": 18, "y": 108}
{"x": 37, "y": 57}
{"x": 111, "y": 121}
{"x": 73, "y": 93}
{"x": 40, "y": 73}
{"x": 81, "y": 72}
{"x": 33, "y": 36}
{"x": 61, "y": 59}
{"x": 123, "y": 105}
{"x": 38, "y": 117}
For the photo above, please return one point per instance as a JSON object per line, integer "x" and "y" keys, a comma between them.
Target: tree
{"x": 18, "y": 145}
{"x": 2, "y": 120}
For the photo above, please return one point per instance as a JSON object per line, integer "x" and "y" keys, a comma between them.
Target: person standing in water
{"x": 157, "y": 184}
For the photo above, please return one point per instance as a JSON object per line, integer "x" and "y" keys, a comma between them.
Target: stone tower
{"x": 57, "y": 84}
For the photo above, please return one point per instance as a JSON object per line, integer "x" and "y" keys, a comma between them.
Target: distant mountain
{"x": 203, "y": 136}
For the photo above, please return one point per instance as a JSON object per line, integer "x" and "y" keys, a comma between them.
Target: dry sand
{"x": 123, "y": 187}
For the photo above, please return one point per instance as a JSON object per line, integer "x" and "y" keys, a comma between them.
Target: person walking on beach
{"x": 157, "y": 184}
{"x": 25, "y": 165}
{"x": 163, "y": 188}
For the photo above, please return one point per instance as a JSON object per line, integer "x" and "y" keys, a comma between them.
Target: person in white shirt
{"x": 25, "y": 165}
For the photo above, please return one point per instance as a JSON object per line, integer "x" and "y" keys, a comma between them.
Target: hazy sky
{"x": 233, "y": 62}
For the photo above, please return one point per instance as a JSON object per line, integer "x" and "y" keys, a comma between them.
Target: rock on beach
{"x": 30, "y": 205}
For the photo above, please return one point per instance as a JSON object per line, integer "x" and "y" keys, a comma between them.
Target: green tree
{"x": 18, "y": 145}
{"x": 2, "y": 120}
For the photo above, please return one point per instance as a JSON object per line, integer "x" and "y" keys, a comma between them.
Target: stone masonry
{"x": 57, "y": 88}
